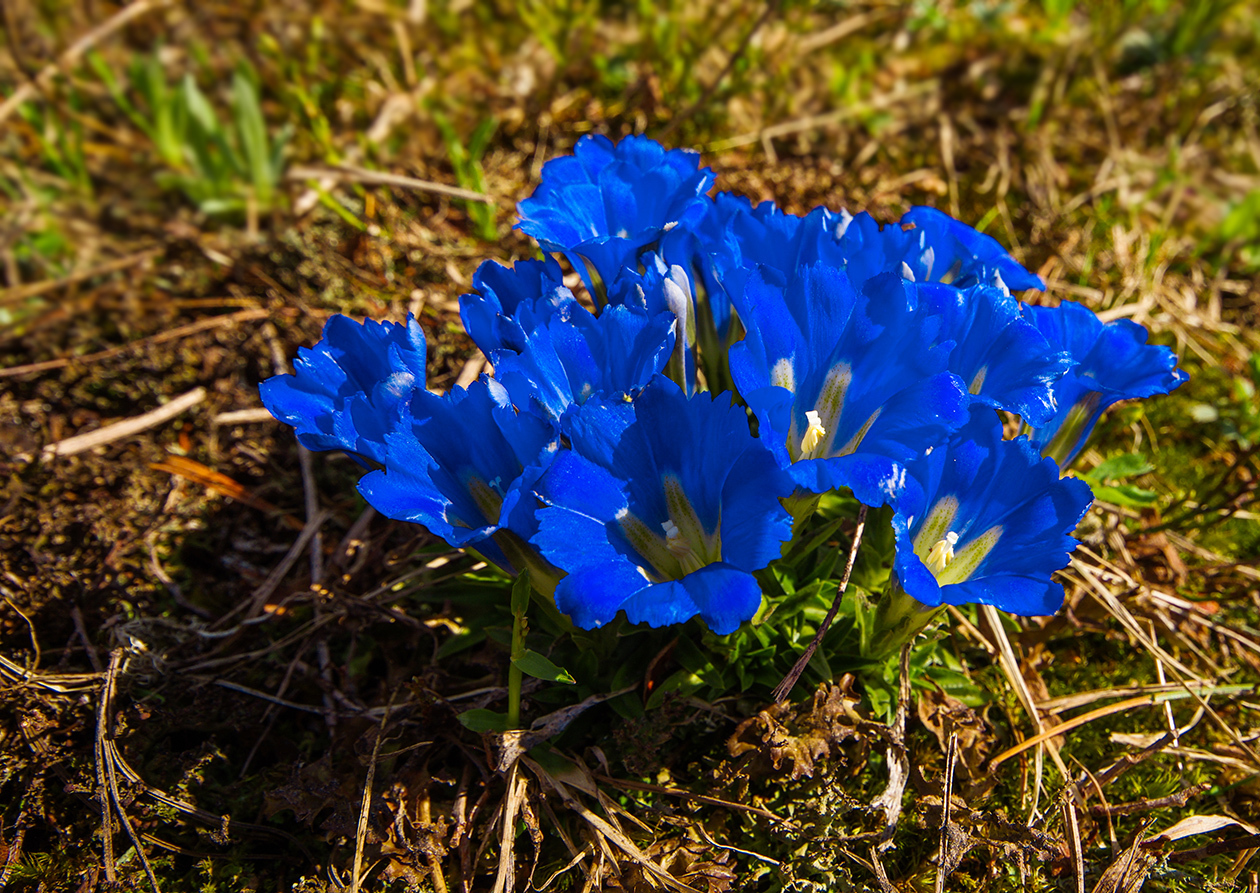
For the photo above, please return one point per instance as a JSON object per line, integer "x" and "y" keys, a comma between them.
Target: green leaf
{"x": 531, "y": 663}
{"x": 252, "y": 133}
{"x": 462, "y": 642}
{"x": 482, "y": 720}
{"x": 1126, "y": 495}
{"x": 520, "y": 594}
{"x": 1120, "y": 467}
{"x": 682, "y": 683}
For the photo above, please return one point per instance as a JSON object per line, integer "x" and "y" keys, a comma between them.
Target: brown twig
{"x": 119, "y": 430}
{"x": 191, "y": 329}
{"x": 898, "y": 763}
{"x": 784, "y": 688}
{"x": 771, "y": 8}
{"x": 357, "y": 174}
{"x": 34, "y": 289}
{"x": 365, "y": 807}
{"x": 1178, "y": 799}
{"x": 74, "y": 52}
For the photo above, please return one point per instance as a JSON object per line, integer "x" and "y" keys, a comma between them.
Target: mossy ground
{"x": 1112, "y": 147}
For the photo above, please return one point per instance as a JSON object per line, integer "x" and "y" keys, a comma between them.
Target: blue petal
{"x": 511, "y": 301}
{"x": 607, "y": 202}
{"x": 347, "y": 390}
{"x": 1110, "y": 363}
{"x": 633, "y": 470}
{"x": 593, "y": 595}
{"x": 464, "y": 465}
{"x": 723, "y": 596}
{"x": 994, "y": 484}
{"x": 810, "y": 331}
{"x": 568, "y": 362}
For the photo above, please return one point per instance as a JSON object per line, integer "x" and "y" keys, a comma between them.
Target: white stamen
{"x": 813, "y": 434}
{"x": 906, "y": 272}
{"x": 942, "y": 553}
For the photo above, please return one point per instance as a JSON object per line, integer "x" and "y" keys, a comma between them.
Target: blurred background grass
{"x": 187, "y": 190}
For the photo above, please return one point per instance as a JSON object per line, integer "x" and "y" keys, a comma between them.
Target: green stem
{"x": 515, "y": 676}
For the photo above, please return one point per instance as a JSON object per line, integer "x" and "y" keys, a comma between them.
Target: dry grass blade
{"x": 1074, "y": 843}
{"x": 107, "y": 771}
{"x": 947, "y": 802}
{"x": 1074, "y": 723}
{"x": 120, "y": 430}
{"x": 75, "y": 52}
{"x": 1172, "y": 690}
{"x": 354, "y": 174}
{"x": 64, "y": 684}
{"x": 34, "y": 289}
{"x": 1010, "y": 668}
{"x": 223, "y": 485}
{"x": 605, "y": 831}
{"x": 192, "y": 328}
{"x": 505, "y": 876}
{"x": 812, "y": 122}
{"x": 365, "y": 806}
{"x": 889, "y": 802}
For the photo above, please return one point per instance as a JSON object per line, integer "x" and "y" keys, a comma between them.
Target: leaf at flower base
{"x": 531, "y": 663}
{"x": 520, "y": 594}
{"x": 483, "y": 720}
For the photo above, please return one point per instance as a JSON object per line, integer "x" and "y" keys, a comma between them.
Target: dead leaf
{"x": 793, "y": 737}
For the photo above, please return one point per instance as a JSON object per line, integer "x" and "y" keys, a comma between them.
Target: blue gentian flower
{"x": 989, "y": 524}
{"x": 935, "y": 248}
{"x": 1001, "y": 357}
{"x": 661, "y": 288}
{"x": 662, "y": 508}
{"x": 510, "y": 302}
{"x": 346, "y": 391}
{"x": 605, "y": 203}
{"x": 464, "y": 465}
{"x": 847, "y": 386}
{"x": 568, "y": 361}
{"x": 735, "y": 233}
{"x": 1111, "y": 363}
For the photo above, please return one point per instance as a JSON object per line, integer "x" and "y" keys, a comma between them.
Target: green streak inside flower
{"x": 682, "y": 547}
{"x": 935, "y": 544}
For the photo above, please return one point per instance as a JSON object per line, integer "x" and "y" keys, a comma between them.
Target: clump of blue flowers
{"x": 649, "y": 443}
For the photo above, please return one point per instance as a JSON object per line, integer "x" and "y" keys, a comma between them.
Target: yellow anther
{"x": 813, "y": 434}
{"x": 942, "y": 553}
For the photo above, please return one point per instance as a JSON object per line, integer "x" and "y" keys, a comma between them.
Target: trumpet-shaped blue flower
{"x": 990, "y": 523}
{"x": 565, "y": 362}
{"x": 510, "y": 302}
{"x": 464, "y": 465}
{"x": 735, "y": 233}
{"x": 346, "y": 391}
{"x": 1001, "y": 357}
{"x": 604, "y": 203}
{"x": 662, "y": 508}
{"x": 658, "y": 289}
{"x": 1111, "y": 363}
{"x": 846, "y": 386}
{"x": 934, "y": 247}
